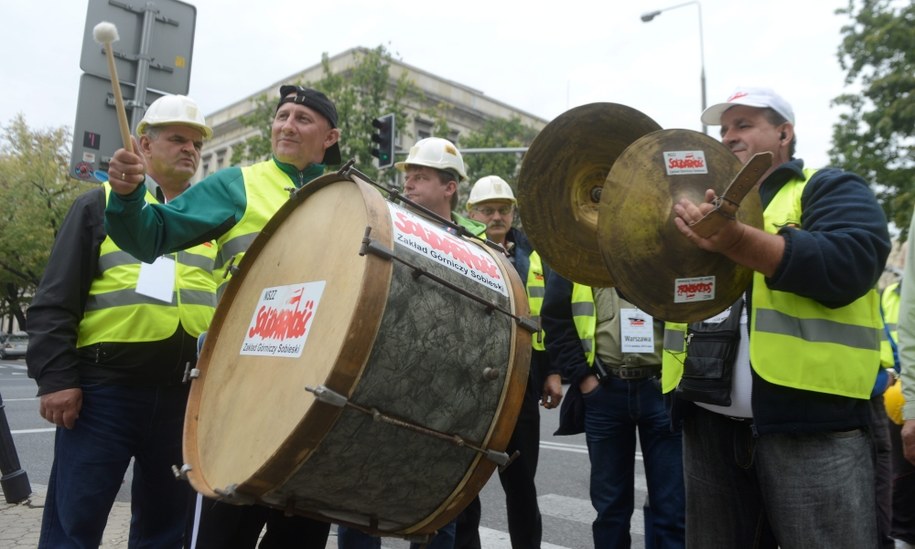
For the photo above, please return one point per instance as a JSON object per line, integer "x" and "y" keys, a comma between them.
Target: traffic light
{"x": 384, "y": 139}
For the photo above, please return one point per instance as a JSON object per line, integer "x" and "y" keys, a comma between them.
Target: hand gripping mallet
{"x": 105, "y": 33}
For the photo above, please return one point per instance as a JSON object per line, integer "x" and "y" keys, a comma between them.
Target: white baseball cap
{"x": 751, "y": 97}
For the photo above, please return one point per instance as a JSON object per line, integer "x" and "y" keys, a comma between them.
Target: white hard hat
{"x": 174, "y": 109}
{"x": 491, "y": 187}
{"x": 437, "y": 153}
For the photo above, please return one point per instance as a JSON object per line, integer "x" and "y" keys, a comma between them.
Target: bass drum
{"x": 365, "y": 366}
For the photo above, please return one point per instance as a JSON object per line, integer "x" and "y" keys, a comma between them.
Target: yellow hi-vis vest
{"x": 266, "y": 190}
{"x": 889, "y": 304}
{"x": 116, "y": 313}
{"x": 795, "y": 341}
{"x": 536, "y": 288}
{"x": 673, "y": 355}
{"x": 584, "y": 315}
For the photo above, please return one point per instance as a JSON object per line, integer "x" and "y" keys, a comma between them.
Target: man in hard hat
{"x": 232, "y": 206}
{"x": 109, "y": 341}
{"x": 492, "y": 202}
{"x": 432, "y": 171}
{"x": 790, "y": 454}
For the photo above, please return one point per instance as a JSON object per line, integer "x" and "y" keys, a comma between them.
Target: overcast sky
{"x": 543, "y": 58}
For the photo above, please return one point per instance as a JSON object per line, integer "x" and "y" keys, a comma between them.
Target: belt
{"x": 629, "y": 373}
{"x": 633, "y": 372}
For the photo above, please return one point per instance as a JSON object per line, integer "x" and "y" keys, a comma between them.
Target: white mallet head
{"x": 105, "y": 33}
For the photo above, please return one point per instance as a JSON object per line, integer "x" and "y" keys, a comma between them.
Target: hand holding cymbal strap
{"x": 726, "y": 205}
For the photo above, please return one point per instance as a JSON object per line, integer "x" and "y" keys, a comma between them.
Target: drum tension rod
{"x": 371, "y": 246}
{"x": 329, "y": 396}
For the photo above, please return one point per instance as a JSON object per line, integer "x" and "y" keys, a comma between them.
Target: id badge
{"x": 157, "y": 279}
{"x": 636, "y": 331}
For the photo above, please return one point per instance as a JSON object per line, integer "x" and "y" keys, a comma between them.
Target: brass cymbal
{"x": 655, "y": 267}
{"x": 560, "y": 184}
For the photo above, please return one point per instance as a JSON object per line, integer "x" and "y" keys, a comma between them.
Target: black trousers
{"x": 227, "y": 526}
{"x": 525, "y": 525}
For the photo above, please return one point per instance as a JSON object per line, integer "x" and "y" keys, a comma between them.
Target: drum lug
{"x": 181, "y": 474}
{"x": 502, "y": 459}
{"x": 231, "y": 268}
{"x": 230, "y": 494}
{"x": 529, "y": 324}
{"x": 190, "y": 373}
{"x": 371, "y": 246}
{"x": 323, "y": 394}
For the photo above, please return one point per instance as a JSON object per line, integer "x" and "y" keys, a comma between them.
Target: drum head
{"x": 286, "y": 320}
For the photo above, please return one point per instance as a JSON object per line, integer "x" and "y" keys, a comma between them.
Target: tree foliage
{"x": 874, "y": 137}
{"x": 36, "y": 192}
{"x": 497, "y": 133}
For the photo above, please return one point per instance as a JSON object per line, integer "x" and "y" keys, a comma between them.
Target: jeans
{"x": 350, "y": 538}
{"x": 794, "y": 491}
{"x": 613, "y": 413}
{"x": 116, "y": 424}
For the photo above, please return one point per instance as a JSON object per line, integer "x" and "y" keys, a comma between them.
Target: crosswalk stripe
{"x": 576, "y": 448}
{"x": 495, "y": 539}
{"x": 580, "y": 510}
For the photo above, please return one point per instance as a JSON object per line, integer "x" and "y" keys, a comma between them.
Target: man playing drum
{"x": 232, "y": 206}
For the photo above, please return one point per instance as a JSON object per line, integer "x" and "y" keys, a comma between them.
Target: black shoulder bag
{"x": 710, "y": 353}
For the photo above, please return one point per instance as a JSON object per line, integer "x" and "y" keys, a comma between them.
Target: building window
{"x": 423, "y": 128}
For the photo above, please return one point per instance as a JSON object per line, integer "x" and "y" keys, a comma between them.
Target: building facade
{"x": 468, "y": 109}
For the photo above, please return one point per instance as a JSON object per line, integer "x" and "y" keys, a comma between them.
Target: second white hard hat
{"x": 491, "y": 187}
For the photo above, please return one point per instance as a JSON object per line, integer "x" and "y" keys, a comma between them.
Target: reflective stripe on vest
{"x": 797, "y": 342}
{"x": 116, "y": 313}
{"x": 266, "y": 190}
{"x": 536, "y": 289}
{"x": 585, "y": 318}
{"x": 889, "y": 304}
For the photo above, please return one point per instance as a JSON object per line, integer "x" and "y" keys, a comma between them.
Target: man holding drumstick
{"x": 232, "y": 206}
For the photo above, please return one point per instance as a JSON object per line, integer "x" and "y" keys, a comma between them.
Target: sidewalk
{"x": 20, "y": 523}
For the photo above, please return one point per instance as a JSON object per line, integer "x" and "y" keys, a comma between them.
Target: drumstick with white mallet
{"x": 105, "y": 33}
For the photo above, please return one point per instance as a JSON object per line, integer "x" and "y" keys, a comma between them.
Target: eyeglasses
{"x": 503, "y": 210}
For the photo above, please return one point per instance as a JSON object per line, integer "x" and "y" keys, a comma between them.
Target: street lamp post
{"x": 648, "y": 16}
